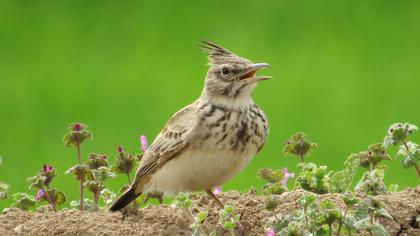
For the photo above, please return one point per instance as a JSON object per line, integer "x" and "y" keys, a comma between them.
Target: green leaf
{"x": 383, "y": 213}
{"x": 78, "y": 171}
{"x": 362, "y": 210}
{"x": 229, "y": 226}
{"x": 362, "y": 224}
{"x": 202, "y": 216}
{"x": 60, "y": 198}
{"x": 349, "y": 222}
{"x": 23, "y": 201}
{"x": 392, "y": 188}
{"x": 379, "y": 230}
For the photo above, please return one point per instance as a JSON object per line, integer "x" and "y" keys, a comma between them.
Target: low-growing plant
{"x": 75, "y": 136}
{"x": 22, "y": 201}
{"x": 367, "y": 215}
{"x": 184, "y": 202}
{"x": 299, "y": 145}
{"x": 410, "y": 152}
{"x": 228, "y": 220}
{"x": 325, "y": 218}
{"x": 42, "y": 182}
{"x": 98, "y": 172}
{"x": 341, "y": 181}
{"x": 124, "y": 164}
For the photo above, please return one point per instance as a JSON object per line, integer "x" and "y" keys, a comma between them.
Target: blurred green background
{"x": 343, "y": 72}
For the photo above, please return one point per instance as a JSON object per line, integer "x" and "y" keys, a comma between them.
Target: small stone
{"x": 18, "y": 229}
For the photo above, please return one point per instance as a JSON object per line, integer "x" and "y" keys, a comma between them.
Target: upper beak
{"x": 249, "y": 75}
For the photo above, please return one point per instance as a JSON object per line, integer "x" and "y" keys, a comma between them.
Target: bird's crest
{"x": 217, "y": 54}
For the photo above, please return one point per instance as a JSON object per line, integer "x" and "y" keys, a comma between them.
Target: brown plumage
{"x": 209, "y": 141}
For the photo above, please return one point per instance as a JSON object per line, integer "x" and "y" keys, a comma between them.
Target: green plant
{"x": 366, "y": 216}
{"x": 299, "y": 146}
{"x": 312, "y": 178}
{"x": 410, "y": 152}
{"x": 341, "y": 181}
{"x": 75, "y": 136}
{"x": 184, "y": 202}
{"x": 42, "y": 182}
{"x": 98, "y": 173}
{"x": 23, "y": 201}
{"x": 372, "y": 181}
{"x": 124, "y": 164}
{"x": 228, "y": 220}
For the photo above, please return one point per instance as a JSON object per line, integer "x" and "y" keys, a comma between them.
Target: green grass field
{"x": 343, "y": 72}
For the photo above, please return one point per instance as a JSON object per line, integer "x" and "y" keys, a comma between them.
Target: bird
{"x": 206, "y": 143}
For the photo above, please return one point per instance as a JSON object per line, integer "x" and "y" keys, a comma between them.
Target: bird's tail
{"x": 128, "y": 196}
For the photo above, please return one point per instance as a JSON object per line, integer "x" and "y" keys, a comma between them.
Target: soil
{"x": 404, "y": 206}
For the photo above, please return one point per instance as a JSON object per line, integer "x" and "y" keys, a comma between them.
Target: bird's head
{"x": 230, "y": 77}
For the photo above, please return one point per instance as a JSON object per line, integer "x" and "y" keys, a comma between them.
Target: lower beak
{"x": 249, "y": 75}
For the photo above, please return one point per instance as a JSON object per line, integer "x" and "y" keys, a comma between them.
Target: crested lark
{"x": 209, "y": 141}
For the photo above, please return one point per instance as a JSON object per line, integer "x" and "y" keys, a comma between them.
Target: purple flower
{"x": 270, "y": 232}
{"x": 143, "y": 141}
{"x": 77, "y": 127}
{"x": 120, "y": 150}
{"x": 47, "y": 168}
{"x": 39, "y": 194}
{"x": 217, "y": 190}
{"x": 287, "y": 175}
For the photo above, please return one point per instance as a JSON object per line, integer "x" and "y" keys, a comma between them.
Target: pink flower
{"x": 143, "y": 141}
{"x": 39, "y": 195}
{"x": 287, "y": 175}
{"x": 217, "y": 190}
{"x": 120, "y": 150}
{"x": 270, "y": 232}
{"x": 77, "y": 127}
{"x": 47, "y": 168}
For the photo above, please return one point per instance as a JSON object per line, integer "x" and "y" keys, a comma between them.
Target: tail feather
{"x": 128, "y": 196}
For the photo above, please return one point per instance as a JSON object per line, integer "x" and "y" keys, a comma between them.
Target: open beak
{"x": 249, "y": 75}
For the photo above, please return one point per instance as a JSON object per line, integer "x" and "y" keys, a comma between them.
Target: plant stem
{"x": 81, "y": 178}
{"x": 302, "y": 158}
{"x": 341, "y": 222}
{"x": 49, "y": 199}
{"x": 192, "y": 219}
{"x": 330, "y": 226}
{"x": 128, "y": 177}
{"x": 415, "y": 164}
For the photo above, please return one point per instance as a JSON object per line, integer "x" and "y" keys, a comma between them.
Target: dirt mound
{"x": 404, "y": 206}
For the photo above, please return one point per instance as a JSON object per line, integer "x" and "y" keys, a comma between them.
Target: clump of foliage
{"x": 42, "y": 182}
{"x": 228, "y": 220}
{"x": 75, "y": 136}
{"x": 372, "y": 181}
{"x": 124, "y": 164}
{"x": 325, "y": 218}
{"x": 23, "y": 201}
{"x": 184, "y": 202}
{"x": 98, "y": 172}
{"x": 312, "y": 178}
{"x": 341, "y": 181}
{"x": 409, "y": 151}
{"x": 300, "y": 146}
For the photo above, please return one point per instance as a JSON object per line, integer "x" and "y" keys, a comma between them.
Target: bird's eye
{"x": 225, "y": 71}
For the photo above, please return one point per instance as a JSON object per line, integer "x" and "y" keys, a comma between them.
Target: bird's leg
{"x": 215, "y": 198}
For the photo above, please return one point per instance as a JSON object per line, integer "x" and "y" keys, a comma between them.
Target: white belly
{"x": 198, "y": 170}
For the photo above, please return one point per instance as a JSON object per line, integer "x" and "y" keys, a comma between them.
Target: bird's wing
{"x": 175, "y": 137}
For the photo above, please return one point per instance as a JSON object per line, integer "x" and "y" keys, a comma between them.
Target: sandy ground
{"x": 404, "y": 206}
